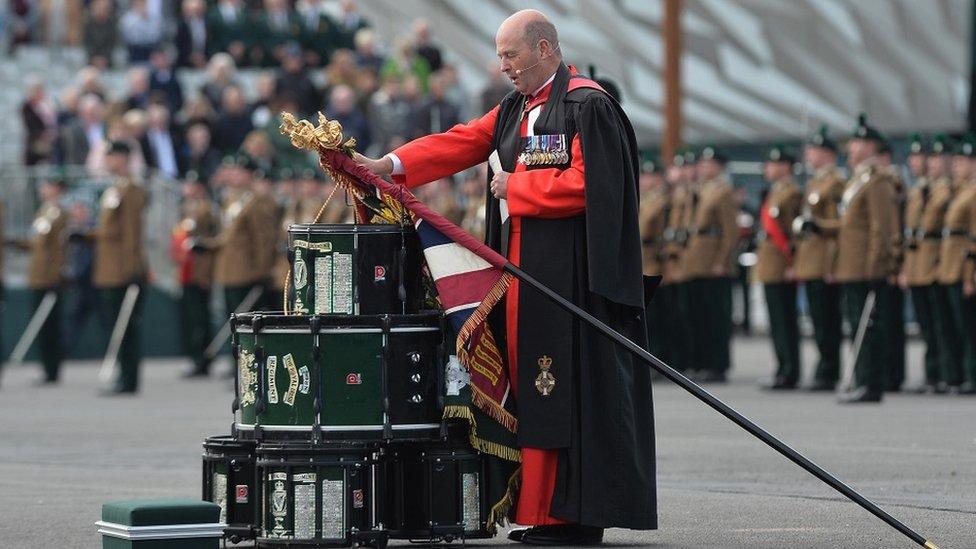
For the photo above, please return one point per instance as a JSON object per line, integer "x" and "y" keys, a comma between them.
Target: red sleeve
{"x": 440, "y": 155}
{"x": 549, "y": 193}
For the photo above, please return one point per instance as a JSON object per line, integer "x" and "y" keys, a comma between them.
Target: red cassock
{"x": 547, "y": 193}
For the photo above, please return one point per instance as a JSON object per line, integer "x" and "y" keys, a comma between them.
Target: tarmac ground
{"x": 64, "y": 451}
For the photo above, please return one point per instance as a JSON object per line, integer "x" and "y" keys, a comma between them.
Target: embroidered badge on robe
{"x": 545, "y": 382}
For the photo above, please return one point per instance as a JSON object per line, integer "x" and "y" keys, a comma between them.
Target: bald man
{"x": 564, "y": 208}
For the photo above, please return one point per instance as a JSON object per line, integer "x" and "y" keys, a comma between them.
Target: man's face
{"x": 650, "y": 181}
{"x": 961, "y": 167}
{"x": 774, "y": 171}
{"x": 818, "y": 157}
{"x": 859, "y": 150}
{"x": 935, "y": 166}
{"x": 117, "y": 163}
{"x": 710, "y": 168}
{"x": 916, "y": 164}
{"x": 50, "y": 191}
{"x": 515, "y": 54}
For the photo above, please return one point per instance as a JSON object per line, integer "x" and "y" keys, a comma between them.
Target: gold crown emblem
{"x": 545, "y": 362}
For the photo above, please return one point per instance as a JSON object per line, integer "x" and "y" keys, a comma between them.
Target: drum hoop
{"x": 340, "y": 428}
{"x": 348, "y": 228}
{"x": 406, "y": 329}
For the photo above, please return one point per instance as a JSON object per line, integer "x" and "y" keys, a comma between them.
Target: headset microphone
{"x": 518, "y": 72}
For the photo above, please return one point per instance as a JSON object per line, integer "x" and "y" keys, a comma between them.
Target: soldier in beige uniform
{"x": 200, "y": 222}
{"x": 301, "y": 207}
{"x": 774, "y": 266}
{"x": 863, "y": 234}
{"x": 816, "y": 253}
{"x": 245, "y": 247}
{"x": 708, "y": 262}
{"x": 955, "y": 276}
{"x": 653, "y": 218}
{"x": 119, "y": 259}
{"x": 924, "y": 212}
{"x": 891, "y": 311}
{"x": 680, "y": 176}
{"x": 47, "y": 254}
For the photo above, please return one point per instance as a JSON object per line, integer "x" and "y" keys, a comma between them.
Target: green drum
{"x": 321, "y": 495}
{"x": 377, "y": 377}
{"x": 355, "y": 269}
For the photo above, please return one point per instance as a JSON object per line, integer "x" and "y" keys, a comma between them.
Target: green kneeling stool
{"x": 160, "y": 524}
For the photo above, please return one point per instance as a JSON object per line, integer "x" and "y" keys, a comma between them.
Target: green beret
{"x": 964, "y": 147}
{"x": 710, "y": 152}
{"x": 779, "y": 153}
{"x": 822, "y": 139}
{"x": 864, "y": 131}
{"x": 917, "y": 144}
{"x": 941, "y": 144}
{"x": 118, "y": 147}
{"x": 689, "y": 156}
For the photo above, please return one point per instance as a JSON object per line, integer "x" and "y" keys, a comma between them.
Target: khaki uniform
{"x": 957, "y": 263}
{"x": 813, "y": 265}
{"x": 782, "y": 206}
{"x": 891, "y": 310}
{"x": 246, "y": 243}
{"x": 200, "y": 222}
{"x": 653, "y": 216}
{"x": 119, "y": 257}
{"x": 713, "y": 238}
{"x": 119, "y": 263}
{"x": 864, "y": 234}
{"x": 676, "y": 235}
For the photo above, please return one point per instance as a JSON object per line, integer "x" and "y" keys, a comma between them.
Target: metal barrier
{"x": 20, "y": 198}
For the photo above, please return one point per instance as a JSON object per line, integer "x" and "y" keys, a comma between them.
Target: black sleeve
{"x": 612, "y": 232}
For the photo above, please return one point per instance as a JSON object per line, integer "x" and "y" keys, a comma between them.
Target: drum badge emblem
{"x": 379, "y": 273}
{"x": 279, "y": 500}
{"x": 241, "y": 493}
{"x": 545, "y": 382}
{"x": 354, "y": 379}
{"x": 358, "y": 499}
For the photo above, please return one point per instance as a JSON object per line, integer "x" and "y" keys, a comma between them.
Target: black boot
{"x": 573, "y": 535}
{"x": 860, "y": 395}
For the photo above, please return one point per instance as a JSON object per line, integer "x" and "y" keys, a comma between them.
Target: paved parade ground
{"x": 64, "y": 451}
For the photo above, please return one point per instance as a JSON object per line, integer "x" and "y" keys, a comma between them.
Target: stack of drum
{"x": 338, "y": 437}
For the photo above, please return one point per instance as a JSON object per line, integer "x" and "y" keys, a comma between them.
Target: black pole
{"x": 721, "y": 407}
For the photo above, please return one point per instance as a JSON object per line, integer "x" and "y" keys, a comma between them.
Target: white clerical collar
{"x": 543, "y": 86}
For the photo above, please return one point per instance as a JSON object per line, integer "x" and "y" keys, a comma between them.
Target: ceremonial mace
{"x": 335, "y": 157}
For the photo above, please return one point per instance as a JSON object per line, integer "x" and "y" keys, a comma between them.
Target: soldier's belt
{"x": 707, "y": 231}
{"x": 954, "y": 232}
{"x": 928, "y": 235}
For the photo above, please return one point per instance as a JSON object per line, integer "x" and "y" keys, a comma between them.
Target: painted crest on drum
{"x": 301, "y": 280}
{"x": 248, "y": 377}
{"x": 279, "y": 504}
{"x": 304, "y": 505}
{"x": 306, "y": 380}
{"x": 457, "y": 377}
{"x": 333, "y": 511}
{"x": 219, "y": 494}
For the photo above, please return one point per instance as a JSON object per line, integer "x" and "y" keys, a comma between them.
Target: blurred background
{"x": 189, "y": 82}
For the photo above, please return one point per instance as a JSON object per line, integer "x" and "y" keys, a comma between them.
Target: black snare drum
{"x": 323, "y": 495}
{"x": 229, "y": 481}
{"x": 355, "y": 269}
{"x": 435, "y": 492}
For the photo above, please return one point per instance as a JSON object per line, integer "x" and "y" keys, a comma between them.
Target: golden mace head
{"x": 327, "y": 135}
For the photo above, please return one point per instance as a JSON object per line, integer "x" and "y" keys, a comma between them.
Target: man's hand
{"x": 499, "y": 185}
{"x": 381, "y": 167}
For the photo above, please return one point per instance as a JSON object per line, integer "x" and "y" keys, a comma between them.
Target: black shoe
{"x": 117, "y": 391}
{"x": 779, "y": 383}
{"x": 572, "y": 535}
{"x": 822, "y": 386}
{"x": 194, "y": 372}
{"x": 940, "y": 388}
{"x": 45, "y": 382}
{"x": 708, "y": 376}
{"x": 953, "y": 389}
{"x": 924, "y": 389}
{"x": 967, "y": 388}
{"x": 893, "y": 389}
{"x": 860, "y": 395}
{"x": 518, "y": 534}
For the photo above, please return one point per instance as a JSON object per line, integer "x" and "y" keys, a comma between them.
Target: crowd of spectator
{"x": 300, "y": 56}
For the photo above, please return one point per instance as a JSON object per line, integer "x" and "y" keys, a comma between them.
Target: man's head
{"x": 117, "y": 159}
{"x": 528, "y": 47}
{"x": 342, "y": 100}
{"x": 962, "y": 159}
{"x": 421, "y": 31}
{"x": 865, "y": 143}
{"x": 160, "y": 59}
{"x": 198, "y": 137}
{"x": 193, "y": 186}
{"x": 779, "y": 164}
{"x": 138, "y": 81}
{"x": 158, "y": 117}
{"x": 193, "y": 9}
{"x": 651, "y": 177}
{"x": 233, "y": 100}
{"x": 90, "y": 110}
{"x": 51, "y": 189}
{"x": 711, "y": 163}
{"x": 820, "y": 150}
{"x": 937, "y": 161}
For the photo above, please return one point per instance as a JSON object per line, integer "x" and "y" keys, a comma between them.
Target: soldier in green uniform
{"x": 774, "y": 267}
{"x": 955, "y": 277}
{"x": 229, "y": 30}
{"x": 707, "y": 262}
{"x": 655, "y": 205}
{"x": 863, "y": 233}
{"x": 47, "y": 254}
{"x": 816, "y": 253}
{"x": 891, "y": 311}
{"x": 277, "y": 25}
{"x": 119, "y": 259}
{"x": 200, "y": 222}
{"x": 924, "y": 210}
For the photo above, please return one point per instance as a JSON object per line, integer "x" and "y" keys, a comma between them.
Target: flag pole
{"x": 701, "y": 394}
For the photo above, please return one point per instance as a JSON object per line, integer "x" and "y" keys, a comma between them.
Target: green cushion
{"x": 155, "y": 512}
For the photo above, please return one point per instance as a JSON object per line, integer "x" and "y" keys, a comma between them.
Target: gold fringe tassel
{"x": 500, "y": 511}
{"x": 455, "y": 411}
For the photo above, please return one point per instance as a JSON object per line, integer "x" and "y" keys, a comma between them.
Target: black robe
{"x": 600, "y": 414}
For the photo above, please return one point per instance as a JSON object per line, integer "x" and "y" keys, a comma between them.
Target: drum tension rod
{"x": 384, "y": 375}
{"x": 439, "y": 365}
{"x": 315, "y": 324}
{"x": 235, "y": 355}
{"x": 257, "y": 323}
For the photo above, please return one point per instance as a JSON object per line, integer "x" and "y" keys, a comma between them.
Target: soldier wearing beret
{"x": 120, "y": 262}
{"x": 680, "y": 176}
{"x": 957, "y": 263}
{"x": 863, "y": 234}
{"x": 707, "y": 262}
{"x": 774, "y": 268}
{"x": 200, "y": 222}
{"x": 891, "y": 313}
{"x": 816, "y": 253}
{"x": 655, "y": 206}
{"x": 47, "y": 246}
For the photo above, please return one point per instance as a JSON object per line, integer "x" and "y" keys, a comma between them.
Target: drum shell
{"x": 363, "y": 361}
{"x": 316, "y": 494}
{"x": 229, "y": 481}
{"x": 355, "y": 269}
{"x": 435, "y": 491}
